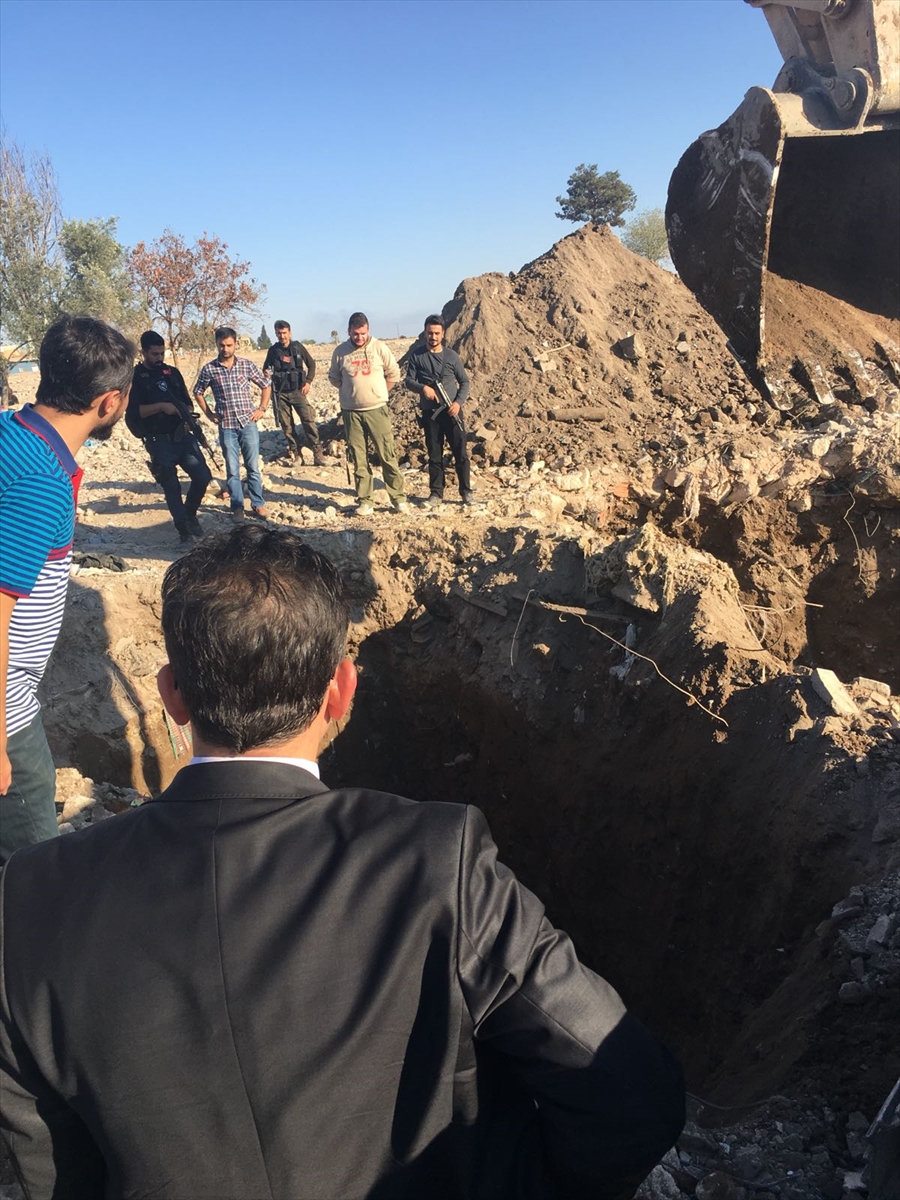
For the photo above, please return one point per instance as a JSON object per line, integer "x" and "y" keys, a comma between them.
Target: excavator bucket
{"x": 802, "y": 182}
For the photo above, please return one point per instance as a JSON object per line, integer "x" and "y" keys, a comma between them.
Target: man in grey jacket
{"x": 364, "y": 370}
{"x": 434, "y": 370}
{"x": 257, "y": 986}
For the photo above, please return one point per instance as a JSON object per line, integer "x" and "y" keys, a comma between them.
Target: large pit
{"x": 690, "y": 853}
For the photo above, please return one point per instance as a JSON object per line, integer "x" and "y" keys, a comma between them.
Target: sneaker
{"x": 183, "y": 533}
{"x": 434, "y": 500}
{"x": 194, "y": 526}
{"x": 238, "y": 514}
{"x": 401, "y": 506}
{"x": 364, "y": 509}
{"x": 259, "y": 513}
{"x": 468, "y": 497}
{"x": 225, "y": 495}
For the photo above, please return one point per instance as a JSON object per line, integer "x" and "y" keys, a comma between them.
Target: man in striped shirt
{"x": 236, "y": 414}
{"x": 86, "y": 369}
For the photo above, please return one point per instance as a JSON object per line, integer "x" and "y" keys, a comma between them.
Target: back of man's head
{"x": 82, "y": 358}
{"x": 255, "y": 624}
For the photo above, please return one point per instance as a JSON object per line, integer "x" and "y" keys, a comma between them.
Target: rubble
{"x": 829, "y": 687}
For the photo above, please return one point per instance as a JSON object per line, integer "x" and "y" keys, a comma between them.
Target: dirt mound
{"x": 819, "y": 345}
{"x": 594, "y": 369}
{"x": 587, "y": 352}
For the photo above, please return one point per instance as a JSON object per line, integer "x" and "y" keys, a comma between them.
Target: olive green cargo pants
{"x": 373, "y": 425}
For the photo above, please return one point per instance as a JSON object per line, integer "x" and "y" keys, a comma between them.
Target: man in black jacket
{"x": 254, "y": 986}
{"x": 157, "y": 391}
{"x": 292, "y": 369}
{"x": 434, "y": 367}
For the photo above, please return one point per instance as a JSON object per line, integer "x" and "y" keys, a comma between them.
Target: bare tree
{"x": 192, "y": 288}
{"x": 227, "y": 290}
{"x": 164, "y": 274}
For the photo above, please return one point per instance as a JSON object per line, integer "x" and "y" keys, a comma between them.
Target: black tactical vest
{"x": 287, "y": 376}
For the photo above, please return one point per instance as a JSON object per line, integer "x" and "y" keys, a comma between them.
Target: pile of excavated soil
{"x": 593, "y": 360}
{"x": 819, "y": 344}
{"x": 553, "y": 371}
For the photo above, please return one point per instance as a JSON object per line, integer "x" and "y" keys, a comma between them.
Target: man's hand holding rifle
{"x": 436, "y": 373}
{"x": 192, "y": 427}
{"x": 443, "y": 401}
{"x": 160, "y": 413}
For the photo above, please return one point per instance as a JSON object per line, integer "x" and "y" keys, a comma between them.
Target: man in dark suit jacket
{"x": 255, "y": 986}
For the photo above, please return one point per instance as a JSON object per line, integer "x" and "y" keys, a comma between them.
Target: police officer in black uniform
{"x": 154, "y": 416}
{"x": 292, "y": 369}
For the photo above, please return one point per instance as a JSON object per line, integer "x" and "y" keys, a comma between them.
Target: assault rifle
{"x": 191, "y": 425}
{"x": 276, "y": 403}
{"x": 444, "y": 403}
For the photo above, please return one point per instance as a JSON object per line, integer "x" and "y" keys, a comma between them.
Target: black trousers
{"x": 167, "y": 457}
{"x": 436, "y": 432}
{"x": 287, "y": 404}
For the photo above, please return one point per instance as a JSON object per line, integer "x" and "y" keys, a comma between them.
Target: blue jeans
{"x": 28, "y": 810}
{"x": 237, "y": 444}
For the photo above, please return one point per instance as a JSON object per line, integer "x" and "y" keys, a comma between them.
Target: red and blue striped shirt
{"x": 39, "y": 480}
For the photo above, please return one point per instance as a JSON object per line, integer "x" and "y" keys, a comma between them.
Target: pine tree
{"x": 602, "y": 199}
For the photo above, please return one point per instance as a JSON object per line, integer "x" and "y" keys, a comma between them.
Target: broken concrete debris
{"x": 827, "y": 685}
{"x": 881, "y": 932}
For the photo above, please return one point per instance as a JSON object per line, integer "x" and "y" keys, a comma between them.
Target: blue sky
{"x": 366, "y": 153}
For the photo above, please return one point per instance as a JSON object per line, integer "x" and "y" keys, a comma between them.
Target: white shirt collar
{"x": 305, "y": 764}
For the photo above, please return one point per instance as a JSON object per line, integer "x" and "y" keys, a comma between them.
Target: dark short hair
{"x": 255, "y": 624}
{"x": 357, "y": 320}
{"x": 225, "y": 331}
{"x": 151, "y": 338}
{"x": 82, "y": 358}
{"x": 282, "y": 325}
{"x": 434, "y": 319}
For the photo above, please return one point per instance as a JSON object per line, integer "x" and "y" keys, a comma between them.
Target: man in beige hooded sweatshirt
{"x": 364, "y": 370}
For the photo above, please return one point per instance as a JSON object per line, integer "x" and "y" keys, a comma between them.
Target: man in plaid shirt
{"x": 234, "y": 411}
